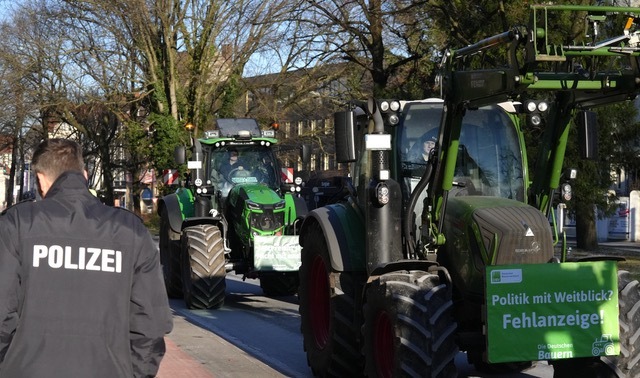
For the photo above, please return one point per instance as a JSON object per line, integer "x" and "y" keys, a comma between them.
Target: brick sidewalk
{"x": 177, "y": 363}
{"x": 194, "y": 352}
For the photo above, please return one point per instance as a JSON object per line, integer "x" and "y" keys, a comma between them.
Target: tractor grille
{"x": 268, "y": 220}
{"x": 522, "y": 234}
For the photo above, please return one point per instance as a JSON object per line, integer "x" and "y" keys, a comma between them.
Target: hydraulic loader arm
{"x": 601, "y": 69}
{"x": 533, "y": 62}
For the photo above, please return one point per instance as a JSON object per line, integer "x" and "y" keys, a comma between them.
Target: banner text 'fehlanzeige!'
{"x": 552, "y": 311}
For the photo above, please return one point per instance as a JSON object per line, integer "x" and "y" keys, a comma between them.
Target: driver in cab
{"x": 233, "y": 163}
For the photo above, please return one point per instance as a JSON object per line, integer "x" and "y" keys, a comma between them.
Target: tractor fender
{"x": 301, "y": 207}
{"x": 297, "y": 205}
{"x": 344, "y": 232}
{"x": 170, "y": 204}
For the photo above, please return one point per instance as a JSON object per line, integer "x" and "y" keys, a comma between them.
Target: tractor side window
{"x": 418, "y": 136}
{"x": 215, "y": 163}
{"x": 218, "y": 161}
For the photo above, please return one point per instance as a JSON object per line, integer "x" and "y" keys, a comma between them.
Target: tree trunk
{"x": 586, "y": 234}
{"x": 107, "y": 175}
{"x": 13, "y": 171}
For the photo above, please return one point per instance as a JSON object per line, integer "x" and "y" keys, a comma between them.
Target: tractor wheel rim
{"x": 383, "y": 345}
{"x": 319, "y": 302}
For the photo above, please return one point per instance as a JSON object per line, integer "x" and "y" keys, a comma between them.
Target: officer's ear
{"x": 86, "y": 174}
{"x": 43, "y": 183}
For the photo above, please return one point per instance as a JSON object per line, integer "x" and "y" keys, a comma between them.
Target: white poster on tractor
{"x": 277, "y": 253}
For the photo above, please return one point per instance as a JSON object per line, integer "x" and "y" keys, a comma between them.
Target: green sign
{"x": 552, "y": 311}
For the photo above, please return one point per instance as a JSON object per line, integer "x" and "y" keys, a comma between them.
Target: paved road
{"x": 256, "y": 336}
{"x": 253, "y": 335}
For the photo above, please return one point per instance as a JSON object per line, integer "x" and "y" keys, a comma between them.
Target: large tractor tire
{"x": 279, "y": 284}
{"x": 328, "y": 312}
{"x": 409, "y": 329}
{"x": 170, "y": 257}
{"x": 629, "y": 318}
{"x": 203, "y": 267}
{"x": 626, "y": 364}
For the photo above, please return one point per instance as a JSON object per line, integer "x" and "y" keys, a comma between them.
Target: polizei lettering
{"x": 58, "y": 257}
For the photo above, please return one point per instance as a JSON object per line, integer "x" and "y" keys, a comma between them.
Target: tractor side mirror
{"x": 344, "y": 124}
{"x": 305, "y": 154}
{"x": 180, "y": 155}
{"x": 587, "y": 134}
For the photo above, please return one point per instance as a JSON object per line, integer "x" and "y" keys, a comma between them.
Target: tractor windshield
{"x": 242, "y": 164}
{"x": 489, "y": 161}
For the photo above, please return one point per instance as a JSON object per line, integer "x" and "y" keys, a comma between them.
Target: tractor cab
{"x": 489, "y": 160}
{"x": 238, "y": 153}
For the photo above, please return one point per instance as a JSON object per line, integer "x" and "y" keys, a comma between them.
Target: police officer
{"x": 81, "y": 292}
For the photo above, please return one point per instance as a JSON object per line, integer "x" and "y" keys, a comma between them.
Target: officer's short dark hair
{"x": 55, "y": 156}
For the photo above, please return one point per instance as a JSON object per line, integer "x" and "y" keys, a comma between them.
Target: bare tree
{"x": 187, "y": 56}
{"x": 33, "y": 74}
{"x": 384, "y": 38}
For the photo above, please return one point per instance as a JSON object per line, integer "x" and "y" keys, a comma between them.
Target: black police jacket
{"x": 81, "y": 291}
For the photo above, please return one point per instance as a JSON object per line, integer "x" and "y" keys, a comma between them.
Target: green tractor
{"x": 446, "y": 242}
{"x": 233, "y": 213}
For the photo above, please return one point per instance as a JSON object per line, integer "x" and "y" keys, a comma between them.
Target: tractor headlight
{"x": 536, "y": 120}
{"x": 382, "y": 194}
{"x": 543, "y": 106}
{"x": 536, "y": 111}
{"x": 253, "y": 206}
{"x": 566, "y": 192}
{"x": 384, "y": 106}
{"x": 279, "y": 205}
